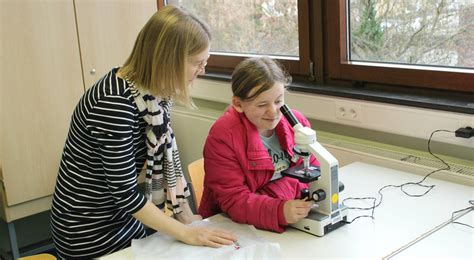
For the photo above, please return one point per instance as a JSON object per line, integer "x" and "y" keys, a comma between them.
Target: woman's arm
{"x": 116, "y": 144}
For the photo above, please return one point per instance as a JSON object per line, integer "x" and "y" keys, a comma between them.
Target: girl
{"x": 248, "y": 147}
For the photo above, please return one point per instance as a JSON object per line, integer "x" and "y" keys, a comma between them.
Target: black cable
{"x": 401, "y": 186}
{"x": 462, "y": 210}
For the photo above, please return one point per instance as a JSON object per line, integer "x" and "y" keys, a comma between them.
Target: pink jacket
{"x": 238, "y": 172}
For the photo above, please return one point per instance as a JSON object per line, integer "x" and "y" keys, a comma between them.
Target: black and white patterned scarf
{"x": 164, "y": 174}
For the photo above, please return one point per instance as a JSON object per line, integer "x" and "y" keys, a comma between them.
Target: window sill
{"x": 422, "y": 98}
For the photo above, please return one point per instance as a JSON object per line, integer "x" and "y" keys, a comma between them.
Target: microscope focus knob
{"x": 318, "y": 195}
{"x": 304, "y": 194}
{"x": 341, "y": 186}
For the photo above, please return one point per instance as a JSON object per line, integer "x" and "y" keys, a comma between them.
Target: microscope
{"x": 327, "y": 214}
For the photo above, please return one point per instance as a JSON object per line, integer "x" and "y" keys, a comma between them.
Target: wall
{"x": 402, "y": 146}
{"x": 393, "y": 124}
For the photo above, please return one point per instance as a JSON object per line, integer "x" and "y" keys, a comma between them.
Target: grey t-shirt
{"x": 280, "y": 158}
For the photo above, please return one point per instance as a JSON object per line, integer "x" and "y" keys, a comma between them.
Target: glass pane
{"x": 249, "y": 27}
{"x": 422, "y": 32}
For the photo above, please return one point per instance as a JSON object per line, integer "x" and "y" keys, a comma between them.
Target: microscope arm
{"x": 329, "y": 180}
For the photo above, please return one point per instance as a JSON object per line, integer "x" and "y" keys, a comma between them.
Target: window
{"x": 419, "y": 43}
{"x": 245, "y": 28}
{"x": 413, "y": 43}
{"x": 433, "y": 33}
{"x": 250, "y": 27}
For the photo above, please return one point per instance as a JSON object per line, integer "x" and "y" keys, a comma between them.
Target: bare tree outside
{"x": 422, "y": 32}
{"x": 419, "y": 32}
{"x": 255, "y": 27}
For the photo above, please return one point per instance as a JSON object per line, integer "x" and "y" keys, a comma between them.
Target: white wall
{"x": 395, "y": 119}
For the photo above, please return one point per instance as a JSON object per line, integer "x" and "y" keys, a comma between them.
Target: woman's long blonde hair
{"x": 160, "y": 55}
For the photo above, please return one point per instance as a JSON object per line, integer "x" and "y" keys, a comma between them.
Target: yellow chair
{"x": 196, "y": 173}
{"x": 39, "y": 257}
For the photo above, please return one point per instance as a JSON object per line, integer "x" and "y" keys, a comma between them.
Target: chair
{"x": 196, "y": 173}
{"x": 43, "y": 256}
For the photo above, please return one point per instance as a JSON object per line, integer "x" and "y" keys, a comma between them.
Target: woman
{"x": 248, "y": 147}
{"x": 119, "y": 123}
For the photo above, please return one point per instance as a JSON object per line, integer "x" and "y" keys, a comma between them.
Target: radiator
{"x": 348, "y": 152}
{"x": 191, "y": 128}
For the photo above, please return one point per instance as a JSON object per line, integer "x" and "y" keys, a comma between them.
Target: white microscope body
{"x": 328, "y": 213}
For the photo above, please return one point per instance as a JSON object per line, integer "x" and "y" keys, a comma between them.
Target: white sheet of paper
{"x": 251, "y": 246}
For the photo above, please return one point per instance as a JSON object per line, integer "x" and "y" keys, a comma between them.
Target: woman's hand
{"x": 295, "y": 210}
{"x": 200, "y": 236}
{"x": 186, "y": 216}
{"x": 151, "y": 216}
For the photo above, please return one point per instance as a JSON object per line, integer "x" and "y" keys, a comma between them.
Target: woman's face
{"x": 196, "y": 65}
{"x": 264, "y": 110}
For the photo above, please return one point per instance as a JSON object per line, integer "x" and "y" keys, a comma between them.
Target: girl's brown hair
{"x": 256, "y": 75}
{"x": 160, "y": 55}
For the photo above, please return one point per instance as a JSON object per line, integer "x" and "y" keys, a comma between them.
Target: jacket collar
{"x": 257, "y": 154}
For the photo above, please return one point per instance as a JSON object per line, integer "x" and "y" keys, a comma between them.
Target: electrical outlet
{"x": 348, "y": 111}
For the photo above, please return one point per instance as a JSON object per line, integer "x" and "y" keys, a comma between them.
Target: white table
{"x": 398, "y": 221}
{"x": 452, "y": 241}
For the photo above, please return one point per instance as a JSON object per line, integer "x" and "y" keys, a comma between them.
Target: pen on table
{"x": 236, "y": 245}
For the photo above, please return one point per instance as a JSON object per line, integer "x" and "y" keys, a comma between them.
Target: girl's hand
{"x": 295, "y": 210}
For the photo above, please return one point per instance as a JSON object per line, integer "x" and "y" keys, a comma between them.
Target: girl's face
{"x": 196, "y": 65}
{"x": 264, "y": 110}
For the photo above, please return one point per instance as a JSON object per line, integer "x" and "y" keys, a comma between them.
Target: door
{"x": 41, "y": 82}
{"x": 107, "y": 32}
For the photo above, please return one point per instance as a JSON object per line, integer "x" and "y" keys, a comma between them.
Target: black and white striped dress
{"x": 96, "y": 189}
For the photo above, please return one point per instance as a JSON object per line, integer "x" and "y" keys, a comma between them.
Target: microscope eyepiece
{"x": 285, "y": 109}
